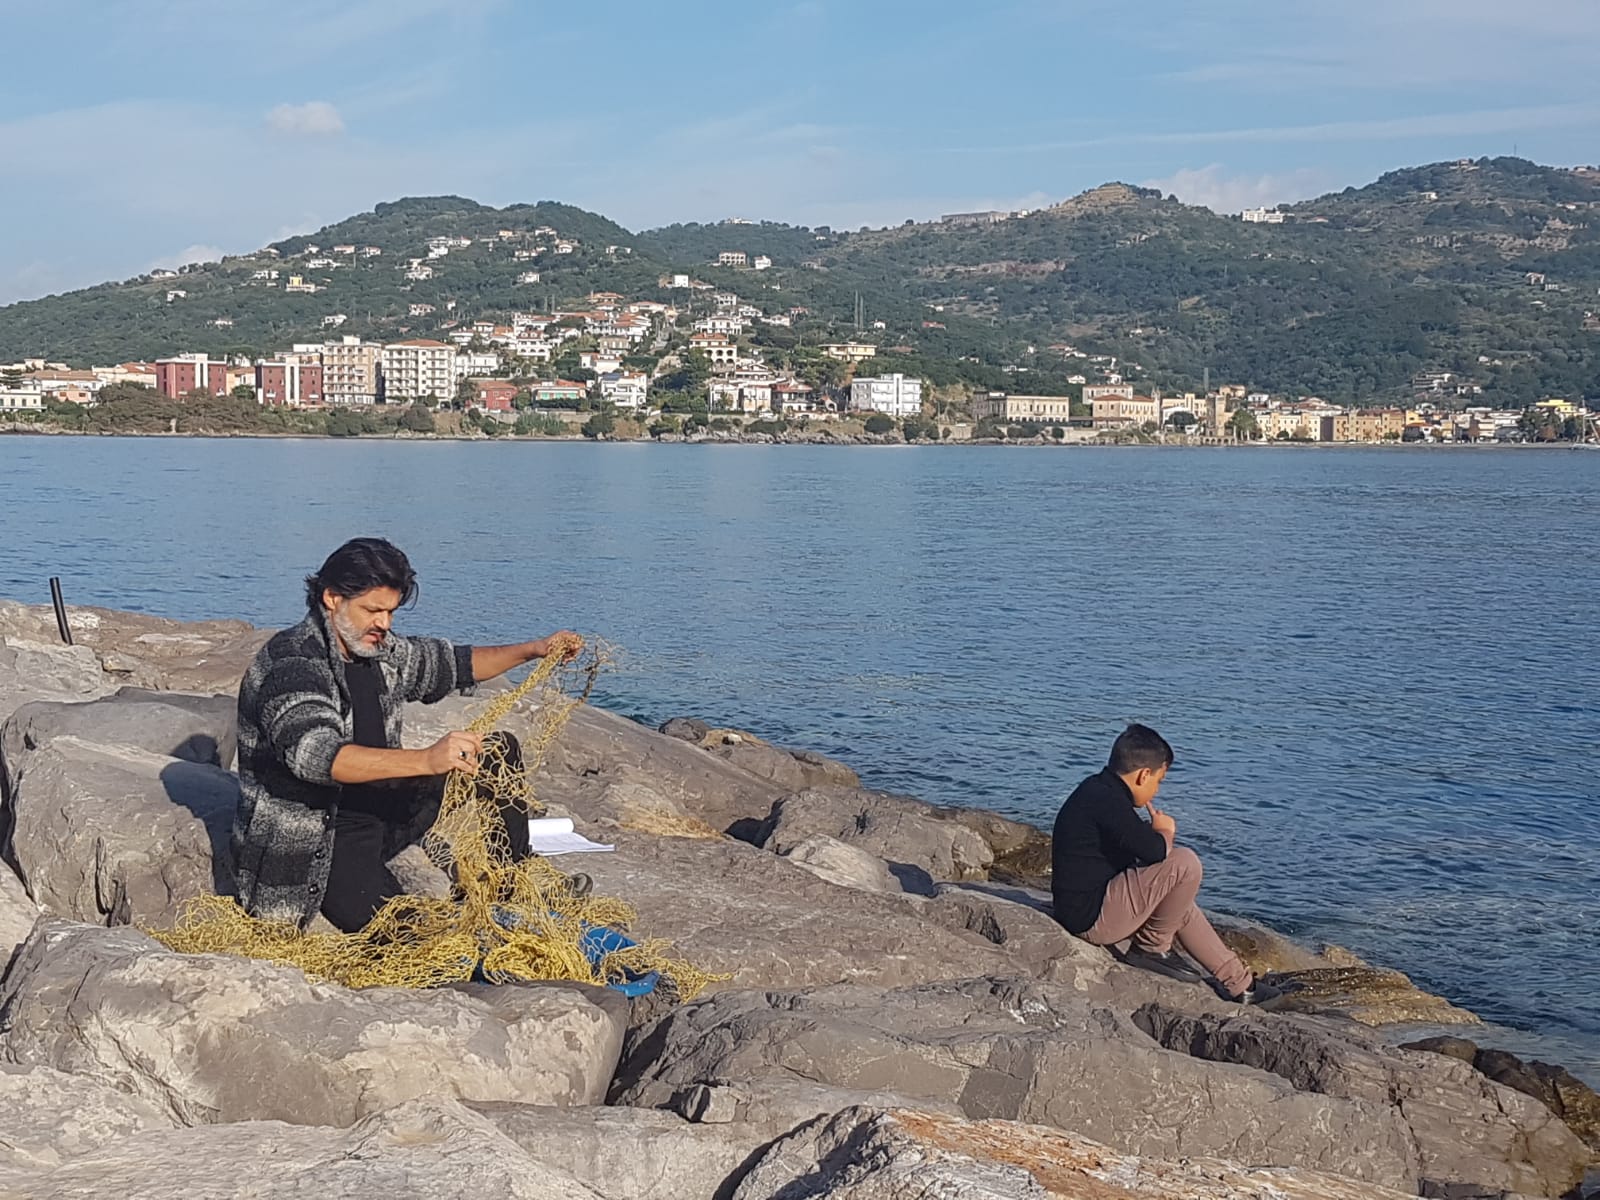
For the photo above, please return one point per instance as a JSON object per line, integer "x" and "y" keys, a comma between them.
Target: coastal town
{"x": 703, "y": 360}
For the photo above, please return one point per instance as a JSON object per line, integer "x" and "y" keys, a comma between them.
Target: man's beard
{"x": 354, "y": 640}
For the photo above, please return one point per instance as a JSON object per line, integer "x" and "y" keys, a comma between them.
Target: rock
{"x": 871, "y": 1154}
{"x": 848, "y": 866}
{"x": 688, "y": 729}
{"x": 1469, "y": 1132}
{"x": 49, "y": 1117}
{"x": 822, "y": 771}
{"x": 153, "y": 652}
{"x": 1265, "y": 951}
{"x": 1370, "y": 996}
{"x": 1574, "y": 1101}
{"x": 40, "y": 670}
{"x": 1015, "y": 1050}
{"x": 630, "y": 1153}
{"x": 212, "y": 1038}
{"x": 111, "y": 831}
{"x": 421, "y": 1149}
{"x": 632, "y": 804}
{"x": 921, "y": 844}
{"x": 728, "y": 907}
{"x": 1012, "y": 922}
{"x": 601, "y": 748}
{"x": 17, "y": 913}
{"x": 202, "y": 729}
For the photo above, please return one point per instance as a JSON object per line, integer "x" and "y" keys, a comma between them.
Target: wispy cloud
{"x": 186, "y": 256}
{"x": 314, "y": 118}
{"x": 1212, "y": 187}
{"x": 1452, "y": 124}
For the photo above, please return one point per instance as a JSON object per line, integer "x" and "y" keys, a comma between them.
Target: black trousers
{"x": 367, "y": 834}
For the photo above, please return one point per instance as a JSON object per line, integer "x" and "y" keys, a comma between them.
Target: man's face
{"x": 362, "y": 621}
{"x": 1144, "y": 785}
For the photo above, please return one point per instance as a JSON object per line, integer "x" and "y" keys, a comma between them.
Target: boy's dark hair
{"x": 360, "y": 565}
{"x": 1138, "y": 747}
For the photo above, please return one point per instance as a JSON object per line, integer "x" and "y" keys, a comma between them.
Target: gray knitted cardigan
{"x": 294, "y": 717}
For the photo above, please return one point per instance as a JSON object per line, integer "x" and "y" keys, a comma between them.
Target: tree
{"x": 689, "y": 377}
{"x": 1180, "y": 420}
{"x": 466, "y": 394}
{"x": 243, "y": 392}
{"x": 1242, "y": 424}
{"x": 879, "y": 423}
{"x": 417, "y": 419}
{"x": 664, "y": 424}
{"x": 601, "y": 424}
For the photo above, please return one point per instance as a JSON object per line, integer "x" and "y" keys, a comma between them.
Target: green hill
{"x": 1429, "y": 269}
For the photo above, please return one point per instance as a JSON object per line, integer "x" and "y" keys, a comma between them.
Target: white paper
{"x": 555, "y": 835}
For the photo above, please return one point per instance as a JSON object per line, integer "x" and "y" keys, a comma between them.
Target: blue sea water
{"x": 1378, "y": 667}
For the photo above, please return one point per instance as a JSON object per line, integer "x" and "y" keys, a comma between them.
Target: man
{"x": 327, "y": 795}
{"x": 1116, "y": 877}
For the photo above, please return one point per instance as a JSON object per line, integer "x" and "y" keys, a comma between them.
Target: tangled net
{"x": 507, "y": 921}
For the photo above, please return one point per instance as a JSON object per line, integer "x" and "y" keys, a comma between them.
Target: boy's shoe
{"x": 1260, "y": 994}
{"x": 579, "y": 884}
{"x": 1170, "y": 963}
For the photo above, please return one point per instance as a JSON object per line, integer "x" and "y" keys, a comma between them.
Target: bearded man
{"x": 328, "y": 795}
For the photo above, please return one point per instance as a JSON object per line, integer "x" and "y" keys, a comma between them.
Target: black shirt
{"x": 364, "y": 678}
{"x": 1098, "y": 835}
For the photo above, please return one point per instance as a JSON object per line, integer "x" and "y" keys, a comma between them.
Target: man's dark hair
{"x": 1138, "y": 747}
{"x": 360, "y": 565}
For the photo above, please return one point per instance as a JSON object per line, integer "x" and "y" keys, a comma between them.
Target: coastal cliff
{"x": 902, "y": 1018}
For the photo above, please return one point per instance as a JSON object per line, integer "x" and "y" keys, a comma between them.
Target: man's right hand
{"x": 1163, "y": 824}
{"x": 455, "y": 752}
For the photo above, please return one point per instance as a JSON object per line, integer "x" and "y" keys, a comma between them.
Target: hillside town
{"x": 701, "y": 357}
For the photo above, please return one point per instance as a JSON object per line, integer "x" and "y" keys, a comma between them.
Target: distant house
{"x": 494, "y": 395}
{"x": 559, "y": 391}
{"x": 732, "y": 258}
{"x": 528, "y": 277}
{"x": 850, "y": 351}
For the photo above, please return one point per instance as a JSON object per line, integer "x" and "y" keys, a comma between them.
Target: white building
{"x": 414, "y": 369}
{"x": 476, "y": 363}
{"x": 27, "y": 396}
{"x": 762, "y": 263}
{"x": 732, "y": 258}
{"x": 625, "y": 389}
{"x": 894, "y": 395}
{"x": 1262, "y": 216}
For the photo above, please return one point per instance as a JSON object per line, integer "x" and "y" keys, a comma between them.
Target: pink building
{"x": 189, "y": 372}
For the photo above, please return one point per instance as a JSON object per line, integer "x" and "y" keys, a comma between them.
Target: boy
{"x": 1117, "y": 877}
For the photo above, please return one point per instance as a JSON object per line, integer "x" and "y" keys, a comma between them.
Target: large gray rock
{"x": 141, "y": 650}
{"x": 922, "y": 844}
{"x": 631, "y": 1153}
{"x": 870, "y": 1154}
{"x": 595, "y": 745}
{"x": 202, "y": 729}
{"x": 46, "y": 670}
{"x": 837, "y": 862}
{"x": 1019, "y": 1051}
{"x": 100, "y": 832}
{"x": 1575, "y": 1102}
{"x": 215, "y": 1038}
{"x": 731, "y": 908}
{"x": 416, "y": 1151}
{"x": 48, "y": 1117}
{"x": 17, "y": 913}
{"x": 1469, "y": 1131}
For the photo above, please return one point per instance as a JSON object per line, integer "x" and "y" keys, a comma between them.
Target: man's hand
{"x": 455, "y": 752}
{"x": 566, "y": 644}
{"x": 1163, "y": 824}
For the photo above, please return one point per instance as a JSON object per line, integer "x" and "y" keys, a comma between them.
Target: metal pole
{"x": 61, "y": 610}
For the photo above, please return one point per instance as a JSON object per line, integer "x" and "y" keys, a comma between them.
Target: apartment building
{"x": 350, "y": 371}
{"x": 186, "y": 373}
{"x": 293, "y": 380}
{"x": 1117, "y": 411}
{"x": 421, "y": 367}
{"x": 893, "y": 395}
{"x": 1051, "y": 410}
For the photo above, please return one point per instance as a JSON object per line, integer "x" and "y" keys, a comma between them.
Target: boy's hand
{"x": 1163, "y": 824}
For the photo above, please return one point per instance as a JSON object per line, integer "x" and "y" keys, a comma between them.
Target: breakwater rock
{"x": 902, "y": 1017}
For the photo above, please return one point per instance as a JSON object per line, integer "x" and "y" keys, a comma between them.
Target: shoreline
{"x": 846, "y": 440}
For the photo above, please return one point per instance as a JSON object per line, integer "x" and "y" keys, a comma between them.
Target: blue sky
{"x": 146, "y": 132}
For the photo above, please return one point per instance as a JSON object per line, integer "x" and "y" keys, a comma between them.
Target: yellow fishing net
{"x": 506, "y": 921}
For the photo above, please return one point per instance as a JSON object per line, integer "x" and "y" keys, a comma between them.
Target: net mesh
{"x": 505, "y": 921}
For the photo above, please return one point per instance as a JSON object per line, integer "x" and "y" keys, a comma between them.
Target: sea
{"x": 1379, "y": 667}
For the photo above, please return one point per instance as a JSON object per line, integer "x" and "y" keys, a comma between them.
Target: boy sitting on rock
{"x": 1117, "y": 877}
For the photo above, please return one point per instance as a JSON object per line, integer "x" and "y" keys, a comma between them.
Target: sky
{"x": 142, "y": 133}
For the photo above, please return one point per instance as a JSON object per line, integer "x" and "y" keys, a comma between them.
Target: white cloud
{"x": 1211, "y": 187}
{"x": 189, "y": 254}
{"x": 314, "y": 118}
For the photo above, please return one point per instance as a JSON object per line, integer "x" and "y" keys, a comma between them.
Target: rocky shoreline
{"x": 902, "y": 1020}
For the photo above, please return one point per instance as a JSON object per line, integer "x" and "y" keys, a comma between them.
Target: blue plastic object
{"x": 597, "y": 942}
